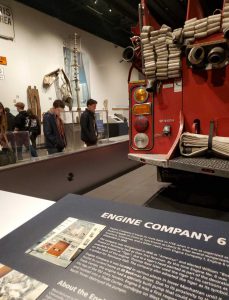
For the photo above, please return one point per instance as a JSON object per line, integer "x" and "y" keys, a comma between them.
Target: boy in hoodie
{"x": 55, "y": 139}
{"x": 21, "y": 120}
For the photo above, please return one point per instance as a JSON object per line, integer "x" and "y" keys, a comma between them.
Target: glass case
{"x": 20, "y": 148}
{"x": 73, "y": 131}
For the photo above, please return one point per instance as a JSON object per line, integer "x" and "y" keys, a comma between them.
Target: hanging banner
{"x": 6, "y": 22}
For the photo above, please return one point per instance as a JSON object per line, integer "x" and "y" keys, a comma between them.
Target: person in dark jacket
{"x": 3, "y": 127}
{"x": 22, "y": 118}
{"x": 89, "y": 132}
{"x": 34, "y": 131}
{"x": 10, "y": 120}
{"x": 55, "y": 139}
{"x": 10, "y": 128}
{"x": 21, "y": 128}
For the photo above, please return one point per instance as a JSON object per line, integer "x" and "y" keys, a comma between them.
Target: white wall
{"x": 38, "y": 50}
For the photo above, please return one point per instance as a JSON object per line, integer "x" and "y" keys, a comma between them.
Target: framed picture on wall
{"x": 6, "y": 22}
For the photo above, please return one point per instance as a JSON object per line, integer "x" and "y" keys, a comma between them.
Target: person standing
{"x": 3, "y": 127}
{"x": 55, "y": 139}
{"x": 21, "y": 119}
{"x": 10, "y": 128}
{"x": 89, "y": 132}
{"x": 10, "y": 120}
{"x": 21, "y": 128}
{"x": 34, "y": 131}
{"x": 6, "y": 154}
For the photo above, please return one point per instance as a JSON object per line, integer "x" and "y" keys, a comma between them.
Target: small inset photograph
{"x": 66, "y": 241}
{"x": 15, "y": 285}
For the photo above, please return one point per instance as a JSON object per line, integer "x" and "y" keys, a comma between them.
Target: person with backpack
{"x": 34, "y": 127}
{"x": 34, "y": 130}
{"x": 21, "y": 126}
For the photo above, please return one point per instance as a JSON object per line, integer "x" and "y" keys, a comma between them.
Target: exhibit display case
{"x": 73, "y": 130}
{"x": 20, "y": 148}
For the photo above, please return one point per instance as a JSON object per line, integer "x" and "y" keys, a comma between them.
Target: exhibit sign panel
{"x": 6, "y": 22}
{"x": 82, "y": 248}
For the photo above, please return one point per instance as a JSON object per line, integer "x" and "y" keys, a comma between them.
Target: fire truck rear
{"x": 179, "y": 112}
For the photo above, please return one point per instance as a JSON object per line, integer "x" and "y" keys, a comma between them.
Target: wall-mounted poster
{"x": 6, "y": 23}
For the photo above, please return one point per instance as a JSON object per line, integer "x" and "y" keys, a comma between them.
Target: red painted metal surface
{"x": 166, "y": 109}
{"x": 135, "y": 30}
{"x": 147, "y": 18}
{"x": 172, "y": 150}
{"x": 194, "y": 9}
{"x": 205, "y": 97}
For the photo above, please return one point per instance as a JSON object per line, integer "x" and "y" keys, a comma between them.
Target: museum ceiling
{"x": 112, "y": 19}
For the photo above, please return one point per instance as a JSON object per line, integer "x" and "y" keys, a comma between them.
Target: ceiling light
{"x": 94, "y": 10}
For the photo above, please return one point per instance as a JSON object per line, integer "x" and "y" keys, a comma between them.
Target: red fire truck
{"x": 179, "y": 121}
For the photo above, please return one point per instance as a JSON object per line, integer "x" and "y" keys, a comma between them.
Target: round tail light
{"x": 141, "y": 140}
{"x": 141, "y": 124}
{"x": 140, "y": 95}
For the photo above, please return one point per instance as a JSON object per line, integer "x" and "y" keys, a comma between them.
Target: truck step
{"x": 211, "y": 166}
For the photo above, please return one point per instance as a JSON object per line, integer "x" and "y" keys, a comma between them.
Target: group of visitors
{"x": 20, "y": 130}
{"x": 55, "y": 139}
{"x": 27, "y": 124}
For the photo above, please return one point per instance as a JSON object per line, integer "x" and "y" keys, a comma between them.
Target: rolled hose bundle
{"x": 225, "y": 23}
{"x": 192, "y": 145}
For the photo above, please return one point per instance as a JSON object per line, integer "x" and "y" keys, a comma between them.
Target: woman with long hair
{"x": 7, "y": 155}
{"x": 3, "y": 127}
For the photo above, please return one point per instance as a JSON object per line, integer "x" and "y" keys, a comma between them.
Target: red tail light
{"x": 141, "y": 123}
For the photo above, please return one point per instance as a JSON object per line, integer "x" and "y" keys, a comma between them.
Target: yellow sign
{"x": 3, "y": 60}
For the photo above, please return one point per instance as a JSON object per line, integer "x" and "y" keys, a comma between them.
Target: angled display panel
{"x": 130, "y": 252}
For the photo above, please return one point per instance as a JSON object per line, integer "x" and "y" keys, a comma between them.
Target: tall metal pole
{"x": 75, "y": 65}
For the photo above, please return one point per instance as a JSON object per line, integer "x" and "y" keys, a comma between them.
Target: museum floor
{"x": 140, "y": 187}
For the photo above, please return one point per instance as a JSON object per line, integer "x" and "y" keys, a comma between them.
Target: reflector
{"x": 140, "y": 95}
{"x": 141, "y": 123}
{"x": 142, "y": 109}
{"x": 141, "y": 140}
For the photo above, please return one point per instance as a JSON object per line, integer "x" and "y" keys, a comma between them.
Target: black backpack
{"x": 34, "y": 126}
